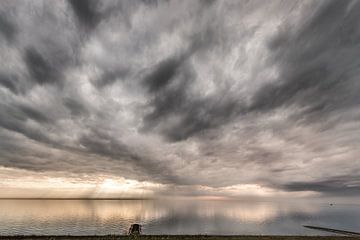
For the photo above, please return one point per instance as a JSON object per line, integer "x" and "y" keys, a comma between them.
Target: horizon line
{"x": 70, "y": 198}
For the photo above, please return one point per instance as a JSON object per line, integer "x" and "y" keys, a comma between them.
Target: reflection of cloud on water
{"x": 134, "y": 210}
{"x": 104, "y": 210}
{"x": 147, "y": 210}
{"x": 243, "y": 211}
{"x": 264, "y": 211}
{"x": 158, "y": 216}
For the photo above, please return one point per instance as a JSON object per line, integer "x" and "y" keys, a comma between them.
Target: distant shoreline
{"x": 177, "y": 237}
{"x": 77, "y": 199}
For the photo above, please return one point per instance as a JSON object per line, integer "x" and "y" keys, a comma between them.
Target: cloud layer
{"x": 193, "y": 95}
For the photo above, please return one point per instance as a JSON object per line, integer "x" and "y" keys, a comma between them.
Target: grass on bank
{"x": 176, "y": 237}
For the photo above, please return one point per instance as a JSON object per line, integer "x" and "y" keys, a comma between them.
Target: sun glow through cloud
{"x": 26, "y": 184}
{"x": 29, "y": 184}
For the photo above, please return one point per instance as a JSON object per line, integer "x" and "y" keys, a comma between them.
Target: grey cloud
{"x": 7, "y": 28}
{"x": 275, "y": 95}
{"x": 207, "y": 2}
{"x": 10, "y": 82}
{"x": 14, "y": 119}
{"x": 28, "y": 132}
{"x": 170, "y": 84}
{"x": 40, "y": 68}
{"x": 35, "y": 157}
{"x": 184, "y": 92}
{"x": 47, "y": 43}
{"x": 342, "y": 186}
{"x": 104, "y": 144}
{"x": 151, "y": 2}
{"x": 316, "y": 82}
{"x": 90, "y": 13}
{"x": 194, "y": 114}
{"x": 168, "y": 101}
{"x": 86, "y": 11}
{"x": 166, "y": 70}
{"x": 27, "y": 163}
{"x": 76, "y": 108}
{"x": 203, "y": 115}
{"x": 34, "y": 114}
{"x": 111, "y": 76}
{"x": 163, "y": 73}
{"x": 317, "y": 64}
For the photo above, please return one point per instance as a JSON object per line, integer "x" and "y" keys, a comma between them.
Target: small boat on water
{"x": 135, "y": 229}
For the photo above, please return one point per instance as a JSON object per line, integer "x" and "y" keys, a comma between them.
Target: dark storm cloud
{"x": 203, "y": 115}
{"x": 33, "y": 114}
{"x": 171, "y": 99}
{"x": 207, "y": 2}
{"x": 90, "y": 13}
{"x": 195, "y": 115}
{"x": 10, "y": 82}
{"x": 316, "y": 64}
{"x": 86, "y": 11}
{"x": 341, "y": 186}
{"x": 211, "y": 93}
{"x": 7, "y": 28}
{"x": 316, "y": 77}
{"x": 76, "y": 108}
{"x": 40, "y": 68}
{"x": 163, "y": 73}
{"x": 152, "y": 2}
{"x": 103, "y": 144}
{"x": 167, "y": 70}
{"x": 111, "y": 76}
{"x": 14, "y": 118}
{"x": 170, "y": 82}
{"x": 18, "y": 127}
{"x": 317, "y": 74}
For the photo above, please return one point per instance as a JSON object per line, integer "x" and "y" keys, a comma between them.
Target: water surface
{"x": 89, "y": 217}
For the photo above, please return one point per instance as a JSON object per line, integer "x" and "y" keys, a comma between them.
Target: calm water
{"x": 87, "y": 217}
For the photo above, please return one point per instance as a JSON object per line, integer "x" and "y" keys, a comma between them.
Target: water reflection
{"x": 84, "y": 217}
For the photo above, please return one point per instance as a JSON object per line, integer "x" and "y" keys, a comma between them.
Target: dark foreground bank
{"x": 176, "y": 237}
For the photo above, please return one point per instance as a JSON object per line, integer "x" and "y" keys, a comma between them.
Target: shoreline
{"x": 177, "y": 237}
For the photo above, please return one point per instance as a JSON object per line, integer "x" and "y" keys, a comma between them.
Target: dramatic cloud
{"x": 86, "y": 12}
{"x": 7, "y": 29}
{"x": 220, "y": 98}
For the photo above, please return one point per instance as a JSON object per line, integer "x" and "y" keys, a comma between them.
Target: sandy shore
{"x": 176, "y": 237}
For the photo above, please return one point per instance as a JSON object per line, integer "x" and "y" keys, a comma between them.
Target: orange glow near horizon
{"x": 27, "y": 184}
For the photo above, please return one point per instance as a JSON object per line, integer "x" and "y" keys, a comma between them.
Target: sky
{"x": 133, "y": 99}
